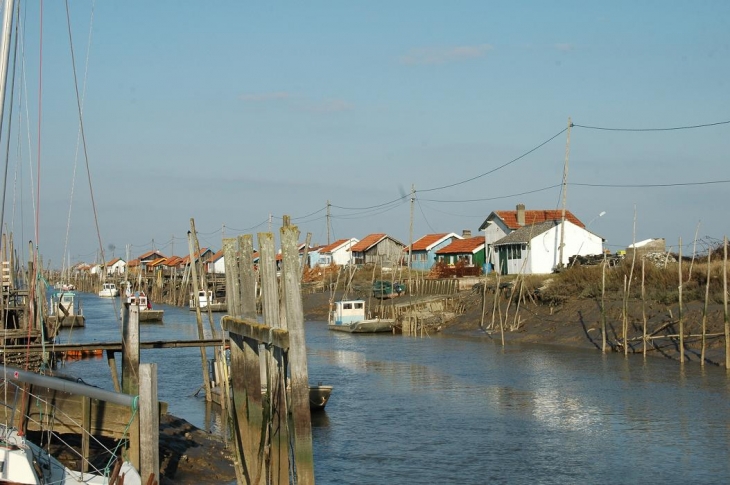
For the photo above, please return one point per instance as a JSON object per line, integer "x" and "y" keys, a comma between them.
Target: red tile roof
{"x": 173, "y": 261}
{"x": 133, "y": 263}
{"x": 331, "y": 247}
{"x": 429, "y": 240}
{"x": 367, "y": 242}
{"x": 461, "y": 246}
{"x": 113, "y": 261}
{"x": 536, "y": 217}
{"x": 151, "y": 253}
{"x": 186, "y": 259}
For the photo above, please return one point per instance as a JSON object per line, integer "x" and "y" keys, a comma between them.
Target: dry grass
{"x": 661, "y": 284}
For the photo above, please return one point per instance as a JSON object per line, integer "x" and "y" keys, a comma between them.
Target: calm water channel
{"x": 451, "y": 410}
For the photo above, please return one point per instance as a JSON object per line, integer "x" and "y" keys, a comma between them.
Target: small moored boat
{"x": 146, "y": 312}
{"x": 205, "y": 300}
{"x": 63, "y": 310}
{"x": 349, "y": 316}
{"x": 109, "y": 290}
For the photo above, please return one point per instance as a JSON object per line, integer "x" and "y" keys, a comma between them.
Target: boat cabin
{"x": 109, "y": 290}
{"x": 63, "y": 303}
{"x": 348, "y": 311}
{"x": 204, "y": 298}
{"x": 139, "y": 298}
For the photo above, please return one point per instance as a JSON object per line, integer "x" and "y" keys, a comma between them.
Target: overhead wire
{"x": 673, "y": 128}
{"x": 499, "y": 167}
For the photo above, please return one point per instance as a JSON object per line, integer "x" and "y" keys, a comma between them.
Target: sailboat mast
{"x": 4, "y": 63}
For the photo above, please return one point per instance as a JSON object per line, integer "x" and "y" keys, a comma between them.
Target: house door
{"x": 503, "y": 260}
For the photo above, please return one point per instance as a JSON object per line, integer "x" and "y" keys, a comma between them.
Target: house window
{"x": 514, "y": 251}
{"x": 359, "y": 306}
{"x": 347, "y": 306}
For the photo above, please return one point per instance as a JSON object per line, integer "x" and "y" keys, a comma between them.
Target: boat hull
{"x": 151, "y": 315}
{"x": 214, "y": 307}
{"x": 75, "y": 321}
{"x": 373, "y": 325}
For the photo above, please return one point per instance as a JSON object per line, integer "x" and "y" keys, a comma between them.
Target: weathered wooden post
{"x": 232, "y": 255}
{"x": 199, "y": 321}
{"x": 130, "y": 370}
{"x": 704, "y": 309}
{"x": 149, "y": 423}
{"x": 681, "y": 319}
{"x": 725, "y": 316}
{"x": 603, "y": 305}
{"x": 276, "y": 385}
{"x": 291, "y": 289}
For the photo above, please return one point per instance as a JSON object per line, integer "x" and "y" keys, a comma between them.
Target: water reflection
{"x": 448, "y": 410}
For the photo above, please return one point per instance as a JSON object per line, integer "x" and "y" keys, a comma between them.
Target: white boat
{"x": 109, "y": 290}
{"x": 146, "y": 312}
{"x": 349, "y": 316}
{"x": 204, "y": 300}
{"x": 63, "y": 311}
{"x": 24, "y": 462}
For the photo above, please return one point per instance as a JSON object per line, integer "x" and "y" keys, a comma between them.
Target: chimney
{"x": 521, "y": 214}
{"x": 466, "y": 233}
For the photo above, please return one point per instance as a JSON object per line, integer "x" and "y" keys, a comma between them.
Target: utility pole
{"x": 410, "y": 242}
{"x": 270, "y": 217}
{"x": 565, "y": 194}
{"x": 328, "y": 223}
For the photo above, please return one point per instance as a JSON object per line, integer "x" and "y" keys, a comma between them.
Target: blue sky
{"x": 228, "y": 112}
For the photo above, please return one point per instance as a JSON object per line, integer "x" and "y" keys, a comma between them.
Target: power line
{"x": 402, "y": 197}
{"x": 496, "y": 197}
{"x": 645, "y": 186}
{"x": 424, "y": 217}
{"x": 673, "y": 128}
{"x": 500, "y": 167}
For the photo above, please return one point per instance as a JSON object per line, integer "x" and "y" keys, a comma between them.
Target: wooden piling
{"x": 725, "y": 317}
{"x": 276, "y": 382}
{"x": 603, "y": 305}
{"x": 303, "y": 455}
{"x": 198, "y": 319}
{"x": 681, "y": 320}
{"x": 149, "y": 422}
{"x": 704, "y": 310}
{"x": 643, "y": 305}
{"x": 130, "y": 370}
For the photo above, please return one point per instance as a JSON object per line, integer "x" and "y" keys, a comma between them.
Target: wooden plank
{"x": 292, "y": 296}
{"x": 106, "y": 419}
{"x": 256, "y": 331}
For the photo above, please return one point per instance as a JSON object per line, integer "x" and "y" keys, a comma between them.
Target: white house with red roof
{"x": 116, "y": 266}
{"x": 379, "y": 249}
{"x": 217, "y": 263}
{"x": 423, "y": 251}
{"x": 338, "y": 252}
{"x": 528, "y": 241}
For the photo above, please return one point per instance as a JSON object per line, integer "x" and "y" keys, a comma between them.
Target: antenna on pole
{"x": 565, "y": 195}
{"x": 328, "y": 223}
